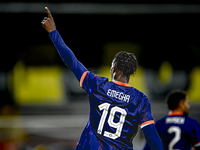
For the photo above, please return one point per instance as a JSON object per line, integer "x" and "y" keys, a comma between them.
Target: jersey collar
{"x": 121, "y": 83}
{"x": 175, "y": 113}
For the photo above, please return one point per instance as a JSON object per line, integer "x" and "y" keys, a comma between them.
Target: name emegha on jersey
{"x": 176, "y": 120}
{"x": 118, "y": 95}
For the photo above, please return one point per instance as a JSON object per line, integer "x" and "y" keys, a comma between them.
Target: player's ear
{"x": 115, "y": 68}
{"x": 112, "y": 69}
{"x": 181, "y": 104}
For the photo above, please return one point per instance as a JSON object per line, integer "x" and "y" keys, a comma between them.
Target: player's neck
{"x": 179, "y": 109}
{"x": 172, "y": 113}
{"x": 121, "y": 78}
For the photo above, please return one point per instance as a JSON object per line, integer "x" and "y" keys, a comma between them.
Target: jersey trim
{"x": 121, "y": 83}
{"x": 82, "y": 78}
{"x": 144, "y": 124}
{"x": 197, "y": 145}
{"x": 175, "y": 113}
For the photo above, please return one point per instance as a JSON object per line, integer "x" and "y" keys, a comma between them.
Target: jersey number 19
{"x": 117, "y": 125}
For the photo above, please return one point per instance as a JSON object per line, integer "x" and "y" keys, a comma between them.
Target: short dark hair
{"x": 174, "y": 97}
{"x": 126, "y": 62}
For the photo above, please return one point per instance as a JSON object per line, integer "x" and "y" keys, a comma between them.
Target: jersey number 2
{"x": 177, "y": 137}
{"x": 117, "y": 125}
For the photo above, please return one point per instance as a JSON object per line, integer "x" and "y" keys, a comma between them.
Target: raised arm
{"x": 66, "y": 54}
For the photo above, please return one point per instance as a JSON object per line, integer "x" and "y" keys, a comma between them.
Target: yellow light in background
{"x": 104, "y": 71}
{"x": 165, "y": 72}
{"x": 194, "y": 89}
{"x": 38, "y": 85}
{"x": 138, "y": 80}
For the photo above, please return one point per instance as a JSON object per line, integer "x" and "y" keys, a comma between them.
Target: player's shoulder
{"x": 91, "y": 80}
{"x": 138, "y": 93}
{"x": 161, "y": 120}
{"x": 92, "y": 75}
{"x": 140, "y": 96}
{"x": 191, "y": 120}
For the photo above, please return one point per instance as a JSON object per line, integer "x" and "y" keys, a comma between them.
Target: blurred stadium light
{"x": 35, "y": 85}
{"x": 99, "y": 8}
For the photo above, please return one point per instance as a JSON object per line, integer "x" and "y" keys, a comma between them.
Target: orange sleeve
{"x": 83, "y": 77}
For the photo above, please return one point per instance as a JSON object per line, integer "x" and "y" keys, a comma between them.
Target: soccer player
{"x": 116, "y": 108}
{"x": 178, "y": 131}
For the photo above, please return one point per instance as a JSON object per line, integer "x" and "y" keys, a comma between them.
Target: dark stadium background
{"x": 163, "y": 36}
{"x": 166, "y": 36}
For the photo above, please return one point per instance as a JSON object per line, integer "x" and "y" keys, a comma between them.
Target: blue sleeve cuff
{"x": 52, "y": 32}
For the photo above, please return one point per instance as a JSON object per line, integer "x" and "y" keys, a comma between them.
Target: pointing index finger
{"x": 48, "y": 12}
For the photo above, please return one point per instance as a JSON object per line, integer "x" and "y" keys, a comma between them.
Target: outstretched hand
{"x": 48, "y": 22}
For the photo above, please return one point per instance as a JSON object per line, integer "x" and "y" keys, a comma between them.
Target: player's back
{"x": 116, "y": 110}
{"x": 177, "y": 131}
